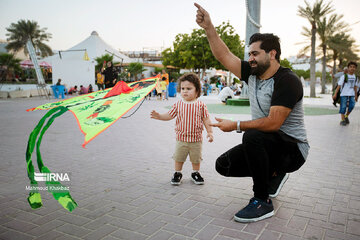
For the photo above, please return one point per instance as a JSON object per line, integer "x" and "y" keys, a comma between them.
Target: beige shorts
{"x": 183, "y": 149}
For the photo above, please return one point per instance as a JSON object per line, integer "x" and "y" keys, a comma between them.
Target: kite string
{"x": 135, "y": 110}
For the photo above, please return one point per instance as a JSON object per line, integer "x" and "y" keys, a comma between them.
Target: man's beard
{"x": 260, "y": 69}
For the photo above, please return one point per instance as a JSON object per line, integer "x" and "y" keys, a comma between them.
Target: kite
{"x": 94, "y": 113}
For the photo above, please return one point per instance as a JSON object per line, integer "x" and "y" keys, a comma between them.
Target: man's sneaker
{"x": 343, "y": 123}
{"x": 176, "y": 180}
{"x": 256, "y": 210}
{"x": 347, "y": 120}
{"x": 276, "y": 183}
{"x": 197, "y": 179}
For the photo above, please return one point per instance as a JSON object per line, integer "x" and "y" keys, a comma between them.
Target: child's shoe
{"x": 197, "y": 179}
{"x": 176, "y": 180}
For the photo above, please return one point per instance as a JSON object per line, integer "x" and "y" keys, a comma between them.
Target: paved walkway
{"x": 121, "y": 182}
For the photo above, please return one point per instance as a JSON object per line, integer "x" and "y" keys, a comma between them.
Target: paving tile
{"x": 192, "y": 213}
{"x": 338, "y": 218}
{"x": 125, "y": 224}
{"x": 186, "y": 231}
{"x": 148, "y": 218}
{"x": 151, "y": 228}
{"x": 73, "y": 219}
{"x": 128, "y": 235}
{"x": 269, "y": 235}
{"x": 99, "y": 222}
{"x": 237, "y": 234}
{"x": 72, "y": 230}
{"x": 200, "y": 222}
{"x": 255, "y": 228}
{"x": 100, "y": 232}
{"x": 208, "y": 232}
{"x": 353, "y": 227}
{"x": 161, "y": 235}
{"x": 312, "y": 232}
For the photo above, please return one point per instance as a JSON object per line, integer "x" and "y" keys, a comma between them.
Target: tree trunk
{"x": 203, "y": 74}
{"x": 323, "y": 77}
{"x": 312, "y": 62}
{"x": 334, "y": 71}
{"x": 341, "y": 63}
{"x": 229, "y": 81}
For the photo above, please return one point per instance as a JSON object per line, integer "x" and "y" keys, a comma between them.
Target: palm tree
{"x": 338, "y": 43}
{"x": 313, "y": 15}
{"x": 100, "y": 61}
{"x": 349, "y": 54}
{"x": 22, "y": 31}
{"x": 326, "y": 29}
{"x": 10, "y": 64}
{"x": 135, "y": 68}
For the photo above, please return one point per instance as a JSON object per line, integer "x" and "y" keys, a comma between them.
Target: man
{"x": 336, "y": 77}
{"x": 274, "y": 142}
{"x": 58, "y": 82}
{"x": 348, "y": 87}
{"x": 225, "y": 94}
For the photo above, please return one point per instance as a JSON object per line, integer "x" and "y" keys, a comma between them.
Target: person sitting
{"x": 226, "y": 93}
{"x": 90, "y": 89}
{"x": 73, "y": 90}
{"x": 83, "y": 90}
{"x": 58, "y": 82}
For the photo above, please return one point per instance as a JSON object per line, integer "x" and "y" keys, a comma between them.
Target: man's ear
{"x": 272, "y": 54}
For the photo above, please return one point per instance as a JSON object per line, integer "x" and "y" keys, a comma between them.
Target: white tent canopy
{"x": 72, "y": 68}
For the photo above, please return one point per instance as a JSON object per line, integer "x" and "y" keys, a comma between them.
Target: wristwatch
{"x": 238, "y": 130}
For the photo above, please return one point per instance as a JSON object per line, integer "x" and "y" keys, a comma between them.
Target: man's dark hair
{"x": 269, "y": 42}
{"x": 193, "y": 78}
{"x": 352, "y": 63}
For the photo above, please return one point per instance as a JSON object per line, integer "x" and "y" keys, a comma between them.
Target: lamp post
{"x": 252, "y": 22}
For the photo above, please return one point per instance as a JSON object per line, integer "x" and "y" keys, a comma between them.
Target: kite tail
{"x": 59, "y": 192}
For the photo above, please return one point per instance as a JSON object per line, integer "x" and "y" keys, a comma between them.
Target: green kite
{"x": 94, "y": 113}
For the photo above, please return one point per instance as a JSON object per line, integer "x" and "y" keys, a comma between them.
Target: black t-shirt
{"x": 109, "y": 75}
{"x": 288, "y": 89}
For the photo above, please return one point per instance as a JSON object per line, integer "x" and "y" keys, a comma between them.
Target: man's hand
{"x": 224, "y": 125}
{"x": 202, "y": 17}
{"x": 155, "y": 114}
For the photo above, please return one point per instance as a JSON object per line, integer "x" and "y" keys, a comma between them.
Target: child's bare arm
{"x": 158, "y": 116}
{"x": 209, "y": 130}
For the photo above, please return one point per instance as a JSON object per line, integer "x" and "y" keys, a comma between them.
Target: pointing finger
{"x": 199, "y": 8}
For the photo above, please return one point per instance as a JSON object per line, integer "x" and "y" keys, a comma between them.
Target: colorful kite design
{"x": 94, "y": 113}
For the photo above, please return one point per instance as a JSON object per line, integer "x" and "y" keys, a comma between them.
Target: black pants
{"x": 259, "y": 156}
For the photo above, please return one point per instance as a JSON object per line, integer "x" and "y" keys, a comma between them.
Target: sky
{"x": 138, "y": 25}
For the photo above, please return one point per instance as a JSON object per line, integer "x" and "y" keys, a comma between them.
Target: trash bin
{"x": 172, "y": 89}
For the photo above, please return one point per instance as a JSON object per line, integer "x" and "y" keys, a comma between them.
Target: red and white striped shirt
{"x": 189, "y": 121}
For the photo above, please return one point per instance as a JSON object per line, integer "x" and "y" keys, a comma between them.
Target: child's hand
{"x": 210, "y": 137}
{"x": 155, "y": 114}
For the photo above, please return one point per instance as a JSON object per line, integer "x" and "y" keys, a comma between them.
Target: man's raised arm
{"x": 218, "y": 47}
